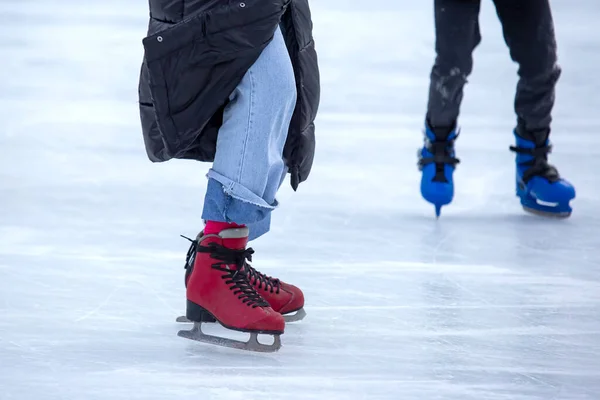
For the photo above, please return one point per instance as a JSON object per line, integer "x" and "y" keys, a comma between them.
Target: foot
{"x": 538, "y": 184}
{"x": 283, "y": 297}
{"x": 217, "y": 288}
{"x": 437, "y": 162}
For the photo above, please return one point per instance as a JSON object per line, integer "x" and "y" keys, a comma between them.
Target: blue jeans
{"x": 249, "y": 167}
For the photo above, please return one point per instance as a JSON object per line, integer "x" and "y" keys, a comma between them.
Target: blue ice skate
{"x": 540, "y": 187}
{"x": 437, "y": 163}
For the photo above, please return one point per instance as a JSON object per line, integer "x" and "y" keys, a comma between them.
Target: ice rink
{"x": 487, "y": 303}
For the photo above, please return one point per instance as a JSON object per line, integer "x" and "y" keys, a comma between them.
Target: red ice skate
{"x": 284, "y": 298}
{"x": 219, "y": 289}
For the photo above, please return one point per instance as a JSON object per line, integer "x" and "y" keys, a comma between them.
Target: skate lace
{"x": 236, "y": 279}
{"x": 191, "y": 253}
{"x": 538, "y": 164}
{"x": 190, "y": 259}
{"x": 271, "y": 284}
{"x": 441, "y": 151}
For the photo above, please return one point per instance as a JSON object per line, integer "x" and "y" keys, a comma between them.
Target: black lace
{"x": 236, "y": 278}
{"x": 441, "y": 151}
{"x": 190, "y": 258}
{"x": 538, "y": 164}
{"x": 271, "y": 284}
{"x": 256, "y": 277}
{"x": 191, "y": 253}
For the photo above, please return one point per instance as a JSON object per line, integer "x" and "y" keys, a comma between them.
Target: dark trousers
{"x": 529, "y": 33}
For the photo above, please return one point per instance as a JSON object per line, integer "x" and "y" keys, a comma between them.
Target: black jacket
{"x": 189, "y": 43}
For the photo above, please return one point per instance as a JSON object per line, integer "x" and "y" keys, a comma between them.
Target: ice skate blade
{"x": 251, "y": 345}
{"x": 297, "y": 316}
{"x": 548, "y": 214}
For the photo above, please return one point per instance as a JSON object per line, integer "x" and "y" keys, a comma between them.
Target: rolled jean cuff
{"x": 228, "y": 201}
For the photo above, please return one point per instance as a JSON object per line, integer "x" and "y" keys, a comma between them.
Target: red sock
{"x": 215, "y": 227}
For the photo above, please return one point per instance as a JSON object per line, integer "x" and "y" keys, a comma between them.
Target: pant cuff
{"x": 228, "y": 201}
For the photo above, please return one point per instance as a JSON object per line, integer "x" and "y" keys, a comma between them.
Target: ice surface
{"x": 487, "y": 303}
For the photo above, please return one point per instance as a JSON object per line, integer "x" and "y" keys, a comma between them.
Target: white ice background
{"x": 487, "y": 303}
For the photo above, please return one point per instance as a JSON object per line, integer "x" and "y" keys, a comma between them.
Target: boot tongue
{"x": 235, "y": 238}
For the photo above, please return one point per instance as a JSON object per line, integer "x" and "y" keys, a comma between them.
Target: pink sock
{"x": 215, "y": 227}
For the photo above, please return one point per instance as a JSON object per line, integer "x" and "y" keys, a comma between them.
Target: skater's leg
{"x": 249, "y": 167}
{"x": 457, "y": 35}
{"x": 246, "y": 174}
{"x": 529, "y": 33}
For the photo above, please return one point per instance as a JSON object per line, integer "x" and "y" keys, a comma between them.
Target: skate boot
{"x": 437, "y": 162}
{"x": 540, "y": 187}
{"x": 284, "y": 298}
{"x": 218, "y": 288}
